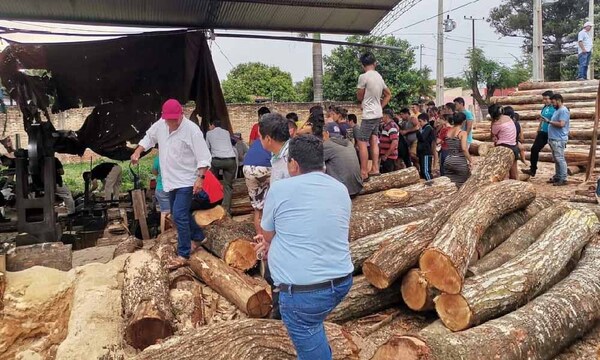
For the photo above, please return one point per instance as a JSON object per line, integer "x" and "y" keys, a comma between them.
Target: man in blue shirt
{"x": 558, "y": 135}
{"x": 468, "y": 124}
{"x": 541, "y": 138}
{"x": 305, "y": 235}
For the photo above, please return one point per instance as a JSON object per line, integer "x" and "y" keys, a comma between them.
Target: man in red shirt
{"x": 254, "y": 135}
{"x": 388, "y": 142}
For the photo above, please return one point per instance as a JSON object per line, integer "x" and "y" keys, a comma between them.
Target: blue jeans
{"x": 584, "y": 63}
{"x": 187, "y": 229}
{"x": 303, "y": 314}
{"x": 560, "y": 163}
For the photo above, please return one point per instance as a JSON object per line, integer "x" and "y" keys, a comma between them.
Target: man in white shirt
{"x": 374, "y": 96}
{"x": 585, "y": 43}
{"x": 184, "y": 158}
{"x": 218, "y": 141}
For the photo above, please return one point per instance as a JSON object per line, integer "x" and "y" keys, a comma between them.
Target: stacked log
{"x": 232, "y": 241}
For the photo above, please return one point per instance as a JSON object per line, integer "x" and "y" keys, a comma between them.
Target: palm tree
{"x": 317, "y": 53}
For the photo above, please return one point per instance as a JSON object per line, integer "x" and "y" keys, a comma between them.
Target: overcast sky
{"x": 296, "y": 57}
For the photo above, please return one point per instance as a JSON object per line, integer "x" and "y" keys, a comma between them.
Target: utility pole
{"x": 474, "y": 84}
{"x": 472, "y": 20}
{"x": 421, "y": 56}
{"x": 439, "y": 94}
{"x": 538, "y": 42}
{"x": 590, "y": 74}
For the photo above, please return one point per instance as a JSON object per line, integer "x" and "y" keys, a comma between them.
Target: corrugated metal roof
{"x": 325, "y": 16}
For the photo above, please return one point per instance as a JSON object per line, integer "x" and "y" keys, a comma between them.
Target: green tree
{"x": 343, "y": 67}
{"x": 250, "y": 80}
{"x": 455, "y": 82}
{"x": 304, "y": 90}
{"x": 562, "y": 21}
{"x": 482, "y": 71}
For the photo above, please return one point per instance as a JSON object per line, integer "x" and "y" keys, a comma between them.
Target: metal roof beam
{"x": 318, "y": 4}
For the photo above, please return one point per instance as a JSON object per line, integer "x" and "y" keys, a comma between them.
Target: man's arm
{"x": 148, "y": 142}
{"x": 558, "y": 124}
{"x": 361, "y": 88}
{"x": 203, "y": 159}
{"x": 360, "y": 94}
{"x": 393, "y": 147}
{"x": 387, "y": 96}
{"x": 580, "y": 43}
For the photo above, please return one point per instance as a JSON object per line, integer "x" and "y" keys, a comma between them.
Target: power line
{"x": 223, "y": 53}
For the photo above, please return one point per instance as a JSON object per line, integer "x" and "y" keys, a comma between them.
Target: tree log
{"x": 519, "y": 241}
{"x": 368, "y": 223}
{"x": 536, "y": 331}
{"x": 2, "y": 289}
{"x": 245, "y": 340}
{"x": 237, "y": 287}
{"x": 578, "y": 88}
{"x": 128, "y": 246}
{"x": 556, "y": 85}
{"x": 513, "y": 284}
{"x": 180, "y": 275}
{"x": 395, "y": 257}
{"x": 146, "y": 305}
{"x": 572, "y": 157}
{"x": 416, "y": 292}
{"x": 393, "y": 180}
{"x": 364, "y": 299}
{"x": 188, "y": 305}
{"x": 480, "y": 148}
{"x": 445, "y": 261}
{"x": 232, "y": 241}
{"x": 413, "y": 195}
{"x": 165, "y": 250}
{"x": 537, "y": 99}
{"x": 502, "y": 229}
{"x": 529, "y": 134}
{"x": 206, "y": 217}
{"x": 570, "y": 105}
{"x": 241, "y": 206}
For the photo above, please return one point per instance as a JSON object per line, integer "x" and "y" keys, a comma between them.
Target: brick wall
{"x": 242, "y": 116}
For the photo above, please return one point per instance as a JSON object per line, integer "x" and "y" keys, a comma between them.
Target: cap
{"x": 587, "y": 24}
{"x": 171, "y": 110}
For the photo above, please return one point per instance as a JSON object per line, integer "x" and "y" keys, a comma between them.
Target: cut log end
{"x": 240, "y": 254}
{"x": 415, "y": 291}
{"x": 403, "y": 348}
{"x": 440, "y": 271}
{"x": 375, "y": 276}
{"x": 259, "y": 304}
{"x": 454, "y": 311}
{"x": 396, "y": 194}
{"x": 147, "y": 325}
{"x": 207, "y": 217}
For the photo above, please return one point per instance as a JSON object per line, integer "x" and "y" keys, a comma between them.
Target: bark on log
{"x": 364, "y": 224}
{"x": 237, "y": 287}
{"x": 413, "y": 195}
{"x": 570, "y": 105}
{"x": 241, "y": 206}
{"x": 393, "y": 180}
{"x": 578, "y": 88}
{"x": 519, "y": 241}
{"x": 480, "y": 148}
{"x": 188, "y": 306}
{"x": 595, "y": 208}
{"x": 395, "y": 257}
{"x": 232, "y": 241}
{"x": 416, "y": 292}
{"x": 206, "y": 217}
{"x": 363, "y": 299}
{"x": 128, "y": 246}
{"x": 2, "y": 289}
{"x": 530, "y": 99}
{"x": 165, "y": 250}
{"x": 146, "y": 305}
{"x": 502, "y": 229}
{"x": 248, "y": 339}
{"x": 556, "y": 85}
{"x": 578, "y": 134}
{"x": 445, "y": 261}
{"x": 183, "y": 274}
{"x": 513, "y": 284}
{"x": 571, "y": 157}
{"x": 361, "y": 249}
{"x": 538, "y": 330}
{"x": 579, "y": 113}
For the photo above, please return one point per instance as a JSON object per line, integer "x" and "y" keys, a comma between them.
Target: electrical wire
{"x": 223, "y": 53}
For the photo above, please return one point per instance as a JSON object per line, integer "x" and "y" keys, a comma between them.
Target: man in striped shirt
{"x": 388, "y": 143}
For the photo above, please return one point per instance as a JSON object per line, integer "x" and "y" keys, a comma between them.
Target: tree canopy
{"x": 304, "y": 90}
{"x": 250, "y": 80}
{"x": 455, "y": 82}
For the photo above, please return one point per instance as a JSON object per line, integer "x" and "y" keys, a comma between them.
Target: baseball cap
{"x": 588, "y": 23}
{"x": 171, "y": 110}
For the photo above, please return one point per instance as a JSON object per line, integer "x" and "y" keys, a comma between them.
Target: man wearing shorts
{"x": 257, "y": 172}
{"x": 374, "y": 96}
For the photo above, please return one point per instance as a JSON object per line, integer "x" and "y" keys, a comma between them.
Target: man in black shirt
{"x": 110, "y": 176}
{"x": 62, "y": 191}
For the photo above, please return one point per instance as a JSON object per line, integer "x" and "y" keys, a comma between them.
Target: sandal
{"x": 176, "y": 263}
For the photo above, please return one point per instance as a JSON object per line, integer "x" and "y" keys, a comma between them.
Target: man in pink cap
{"x": 184, "y": 158}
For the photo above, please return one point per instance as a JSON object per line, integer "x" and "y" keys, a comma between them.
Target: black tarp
{"x": 126, "y": 79}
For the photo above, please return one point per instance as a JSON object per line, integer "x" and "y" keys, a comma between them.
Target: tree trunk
{"x": 416, "y": 292}
{"x": 567, "y": 90}
{"x": 393, "y": 180}
{"x": 165, "y": 250}
{"x": 538, "y": 330}
{"x": 364, "y": 299}
{"x": 361, "y": 249}
{"x": 188, "y": 305}
{"x": 530, "y": 135}
{"x": 502, "y": 229}
{"x": 317, "y": 58}
{"x": 413, "y": 195}
{"x": 445, "y": 261}
{"x": 146, "y": 305}
{"x": 580, "y": 113}
{"x": 532, "y": 99}
{"x": 232, "y": 241}
{"x": 570, "y": 105}
{"x": 573, "y": 158}
{"x": 480, "y": 148}
{"x": 245, "y": 340}
{"x": 241, "y": 206}
{"x": 393, "y": 258}
{"x": 510, "y": 286}
{"x": 519, "y": 241}
{"x": 128, "y": 246}
{"x": 237, "y": 287}
{"x": 206, "y": 217}
{"x": 372, "y": 222}
{"x": 556, "y": 85}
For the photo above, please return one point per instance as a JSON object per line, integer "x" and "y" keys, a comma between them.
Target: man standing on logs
{"x": 541, "y": 138}
{"x": 275, "y": 137}
{"x": 585, "y": 43}
{"x": 558, "y": 135}
{"x": 305, "y": 226}
{"x": 184, "y": 159}
{"x": 468, "y": 126}
{"x": 218, "y": 141}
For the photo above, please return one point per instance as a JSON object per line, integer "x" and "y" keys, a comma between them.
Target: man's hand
{"x": 198, "y": 186}
{"x": 135, "y": 157}
{"x": 261, "y": 247}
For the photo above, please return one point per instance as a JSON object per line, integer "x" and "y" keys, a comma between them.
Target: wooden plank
{"x": 139, "y": 211}
{"x": 592, "y": 158}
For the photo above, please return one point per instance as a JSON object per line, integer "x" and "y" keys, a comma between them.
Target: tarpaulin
{"x": 126, "y": 79}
